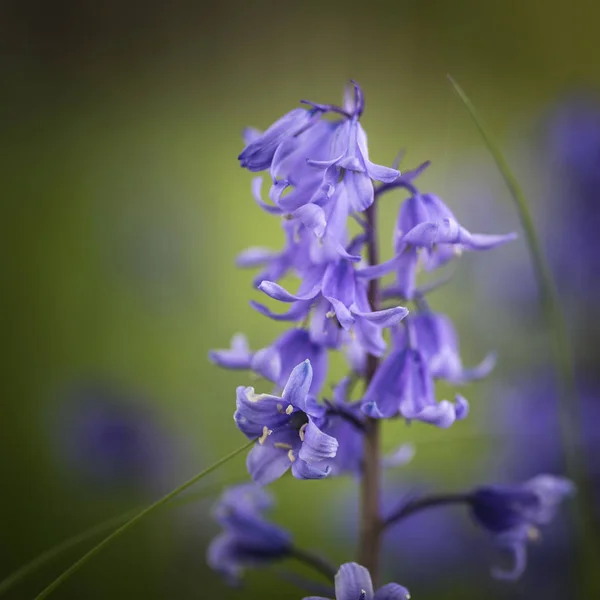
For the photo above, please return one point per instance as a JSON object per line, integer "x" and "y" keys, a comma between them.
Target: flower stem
{"x": 370, "y": 518}
{"x": 419, "y": 504}
{"x": 316, "y": 562}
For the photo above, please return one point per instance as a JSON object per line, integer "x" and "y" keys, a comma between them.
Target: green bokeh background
{"x": 124, "y": 208}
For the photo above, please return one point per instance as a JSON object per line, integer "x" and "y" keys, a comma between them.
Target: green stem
{"x": 569, "y": 415}
{"x": 134, "y": 520}
{"x": 52, "y": 553}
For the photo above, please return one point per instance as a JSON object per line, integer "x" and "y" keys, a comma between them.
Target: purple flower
{"x": 437, "y": 341}
{"x": 288, "y": 430}
{"x": 403, "y": 386}
{"x": 238, "y": 356}
{"x": 259, "y": 153}
{"x": 424, "y": 221}
{"x": 277, "y": 361}
{"x": 345, "y": 422}
{"x": 353, "y": 582}
{"x": 342, "y": 295}
{"x": 113, "y": 437}
{"x": 247, "y": 540}
{"x": 350, "y": 161}
{"x": 512, "y": 514}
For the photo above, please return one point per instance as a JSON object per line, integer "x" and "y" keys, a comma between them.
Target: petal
{"x": 317, "y": 445}
{"x": 302, "y": 470}
{"x": 342, "y": 314}
{"x": 382, "y": 318}
{"x": 267, "y": 362}
{"x": 480, "y": 241}
{"x": 275, "y": 291}
{"x": 442, "y": 414}
{"x": 256, "y": 185}
{"x": 298, "y": 385}
{"x": 352, "y": 582}
{"x": 339, "y": 282}
{"x": 480, "y": 371}
{"x": 519, "y": 554}
{"x": 298, "y": 311}
{"x": 399, "y": 457}
{"x": 377, "y": 271}
{"x": 254, "y": 257}
{"x": 255, "y": 411}
{"x": 406, "y": 272}
{"x": 237, "y": 357}
{"x": 380, "y": 173}
{"x": 446, "y": 231}
{"x": 267, "y": 463}
{"x": 359, "y": 189}
{"x": 392, "y": 591}
{"x": 461, "y": 407}
{"x": 312, "y": 217}
{"x": 250, "y": 134}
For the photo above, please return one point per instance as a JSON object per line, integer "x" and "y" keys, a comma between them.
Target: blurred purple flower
{"x": 512, "y": 514}
{"x": 113, "y": 437}
{"x": 248, "y": 540}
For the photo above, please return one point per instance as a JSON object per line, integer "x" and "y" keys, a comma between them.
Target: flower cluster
{"x": 321, "y": 179}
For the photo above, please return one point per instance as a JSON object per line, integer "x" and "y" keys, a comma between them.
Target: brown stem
{"x": 370, "y": 517}
{"x": 419, "y": 504}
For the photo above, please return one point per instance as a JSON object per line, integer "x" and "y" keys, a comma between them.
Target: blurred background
{"x": 124, "y": 208}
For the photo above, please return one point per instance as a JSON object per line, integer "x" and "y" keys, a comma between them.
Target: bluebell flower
{"x": 437, "y": 341}
{"x": 287, "y": 430}
{"x": 277, "y": 361}
{"x": 512, "y": 514}
{"x": 258, "y": 154}
{"x": 343, "y": 296}
{"x": 425, "y": 222}
{"x": 403, "y": 386}
{"x": 353, "y": 582}
{"x": 248, "y": 540}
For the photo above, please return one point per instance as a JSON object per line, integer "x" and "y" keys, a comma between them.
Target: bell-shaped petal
{"x": 317, "y": 446}
{"x": 267, "y": 363}
{"x": 236, "y": 357}
{"x": 258, "y": 154}
{"x": 437, "y": 341}
{"x": 298, "y": 385}
{"x": 247, "y": 539}
{"x": 266, "y": 463}
{"x": 352, "y": 582}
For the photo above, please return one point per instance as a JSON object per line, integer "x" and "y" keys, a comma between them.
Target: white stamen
{"x": 291, "y": 456}
{"x": 282, "y": 445}
{"x": 302, "y": 430}
{"x": 289, "y": 410}
{"x": 266, "y": 433}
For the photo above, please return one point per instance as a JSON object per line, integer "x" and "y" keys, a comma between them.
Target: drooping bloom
{"x": 248, "y": 540}
{"x": 287, "y": 429}
{"x": 425, "y": 222}
{"x": 512, "y": 514}
{"x": 258, "y": 154}
{"x": 403, "y": 386}
{"x": 342, "y": 295}
{"x": 436, "y": 338}
{"x": 353, "y": 582}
